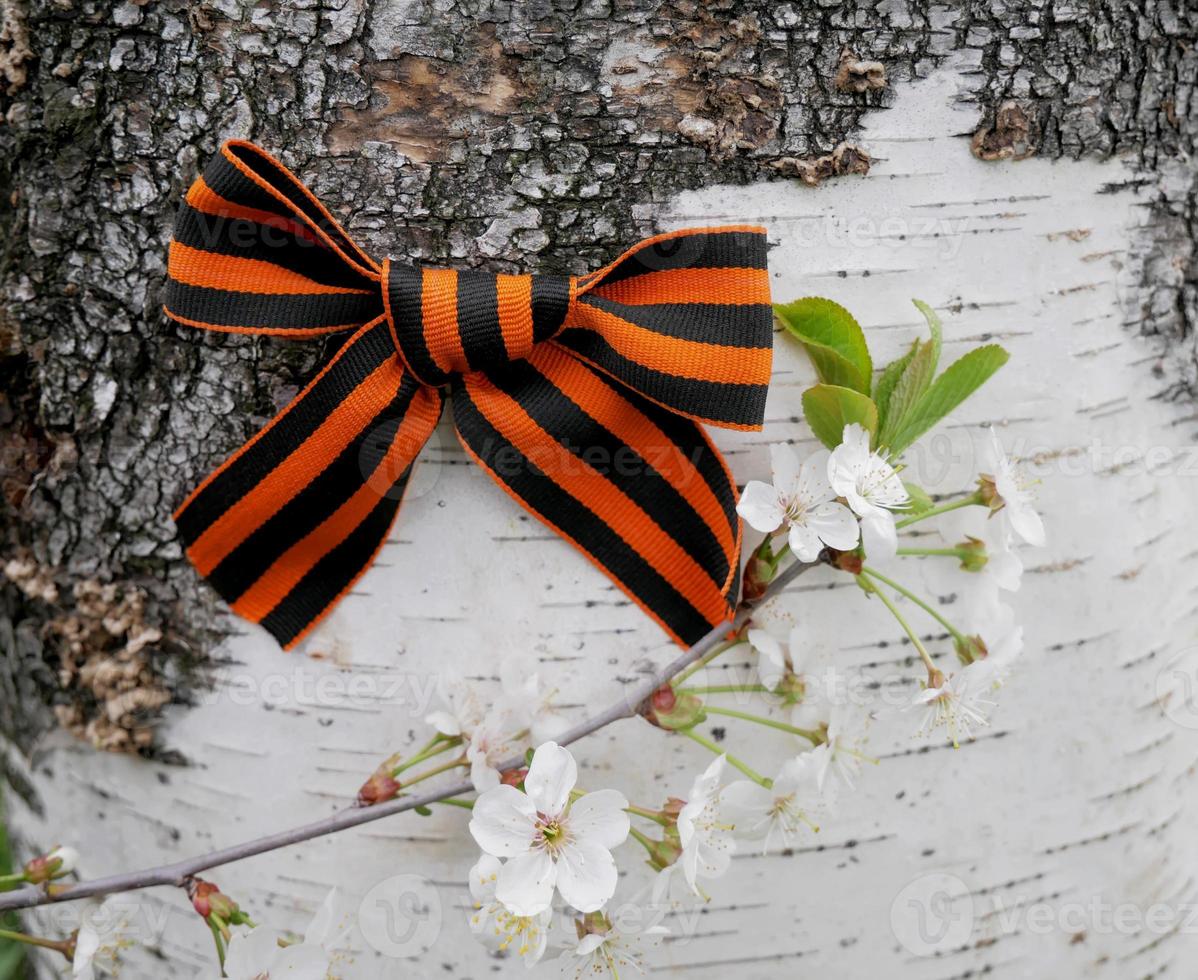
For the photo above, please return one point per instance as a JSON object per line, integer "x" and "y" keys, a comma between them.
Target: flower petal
{"x": 785, "y": 469}
{"x": 301, "y": 962}
{"x": 526, "y": 882}
{"x": 503, "y": 820}
{"x": 600, "y": 817}
{"x": 879, "y": 536}
{"x": 835, "y": 525}
{"x": 804, "y": 542}
{"x": 761, "y": 506}
{"x": 251, "y": 954}
{"x": 813, "y": 487}
{"x": 550, "y": 778}
{"x": 481, "y": 878}
{"x": 586, "y": 875}
{"x": 771, "y": 658}
{"x": 1026, "y": 523}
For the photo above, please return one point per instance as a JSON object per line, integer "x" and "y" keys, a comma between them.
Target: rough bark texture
{"x": 499, "y": 134}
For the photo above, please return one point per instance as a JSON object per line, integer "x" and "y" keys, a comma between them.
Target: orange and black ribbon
{"x": 581, "y": 397}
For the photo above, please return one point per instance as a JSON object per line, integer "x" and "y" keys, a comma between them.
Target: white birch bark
{"x": 1066, "y": 823}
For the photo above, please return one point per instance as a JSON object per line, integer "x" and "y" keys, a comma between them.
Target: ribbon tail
{"x": 255, "y": 252}
{"x": 285, "y": 527}
{"x": 685, "y": 319}
{"x": 640, "y": 490}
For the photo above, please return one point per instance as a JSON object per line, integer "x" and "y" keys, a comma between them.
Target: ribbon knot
{"x": 581, "y": 397}
{"x": 446, "y": 322}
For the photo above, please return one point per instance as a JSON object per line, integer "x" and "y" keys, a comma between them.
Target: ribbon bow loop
{"x": 580, "y": 396}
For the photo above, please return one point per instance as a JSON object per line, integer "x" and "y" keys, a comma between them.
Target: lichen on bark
{"x": 508, "y": 134}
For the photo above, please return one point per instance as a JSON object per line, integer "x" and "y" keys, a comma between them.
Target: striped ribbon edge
{"x": 685, "y": 319}
{"x": 254, "y": 251}
{"x": 638, "y": 489}
{"x": 287, "y": 525}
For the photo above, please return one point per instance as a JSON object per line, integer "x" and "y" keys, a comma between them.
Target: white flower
{"x": 871, "y": 487}
{"x": 811, "y": 669}
{"x": 492, "y": 742}
{"x": 780, "y": 812}
{"x": 464, "y": 710}
{"x": 1003, "y": 566}
{"x": 607, "y": 947}
{"x": 958, "y": 703}
{"x": 843, "y": 752}
{"x": 100, "y": 939}
{"x": 801, "y": 500}
{"x": 257, "y": 954}
{"x": 489, "y": 733}
{"x": 1012, "y": 492}
{"x": 531, "y": 702}
{"x": 706, "y": 839}
{"x": 491, "y": 921}
{"x": 1003, "y": 654}
{"x": 548, "y": 841}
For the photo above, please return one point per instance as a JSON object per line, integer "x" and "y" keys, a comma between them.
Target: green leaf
{"x": 909, "y": 389}
{"x": 829, "y": 408}
{"x": 833, "y": 339}
{"x": 960, "y": 380}
{"x": 889, "y": 378}
{"x": 920, "y": 499}
{"x": 929, "y": 314}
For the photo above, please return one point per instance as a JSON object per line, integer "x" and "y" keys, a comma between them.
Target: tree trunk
{"x": 1028, "y": 170}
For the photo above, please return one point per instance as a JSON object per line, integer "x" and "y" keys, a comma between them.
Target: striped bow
{"x": 580, "y": 396}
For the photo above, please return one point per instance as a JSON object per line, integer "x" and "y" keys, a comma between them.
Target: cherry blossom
{"x": 802, "y": 501}
{"x": 1010, "y": 493}
{"x": 548, "y": 841}
{"x": 705, "y": 837}
{"x": 871, "y": 487}
{"x": 779, "y": 814}
{"x": 527, "y": 935}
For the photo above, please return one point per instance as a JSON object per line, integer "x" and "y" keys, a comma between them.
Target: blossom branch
{"x": 178, "y": 873}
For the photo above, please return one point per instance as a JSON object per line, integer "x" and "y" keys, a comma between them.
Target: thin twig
{"x": 177, "y": 874}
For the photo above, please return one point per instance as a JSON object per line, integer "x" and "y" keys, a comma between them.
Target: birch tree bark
{"x": 1026, "y": 168}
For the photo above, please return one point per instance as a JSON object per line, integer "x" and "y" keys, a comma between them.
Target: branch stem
{"x": 812, "y": 736}
{"x": 740, "y": 764}
{"x": 968, "y": 501}
{"x": 176, "y": 874}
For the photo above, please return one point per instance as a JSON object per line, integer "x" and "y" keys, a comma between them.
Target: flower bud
{"x": 592, "y": 924}
{"x": 973, "y": 554}
{"x": 61, "y": 861}
{"x": 200, "y": 892}
{"x": 970, "y": 648}
{"x": 847, "y": 561}
{"x": 379, "y": 788}
{"x": 758, "y": 575}
{"x": 988, "y": 493}
{"x": 668, "y": 709}
{"x": 664, "y": 852}
{"x": 513, "y": 777}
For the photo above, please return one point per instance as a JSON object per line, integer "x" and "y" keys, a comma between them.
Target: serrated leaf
{"x": 908, "y": 390}
{"x": 889, "y": 378}
{"x": 920, "y": 499}
{"x": 829, "y": 408}
{"x": 934, "y": 326}
{"x": 833, "y": 339}
{"x": 960, "y": 380}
